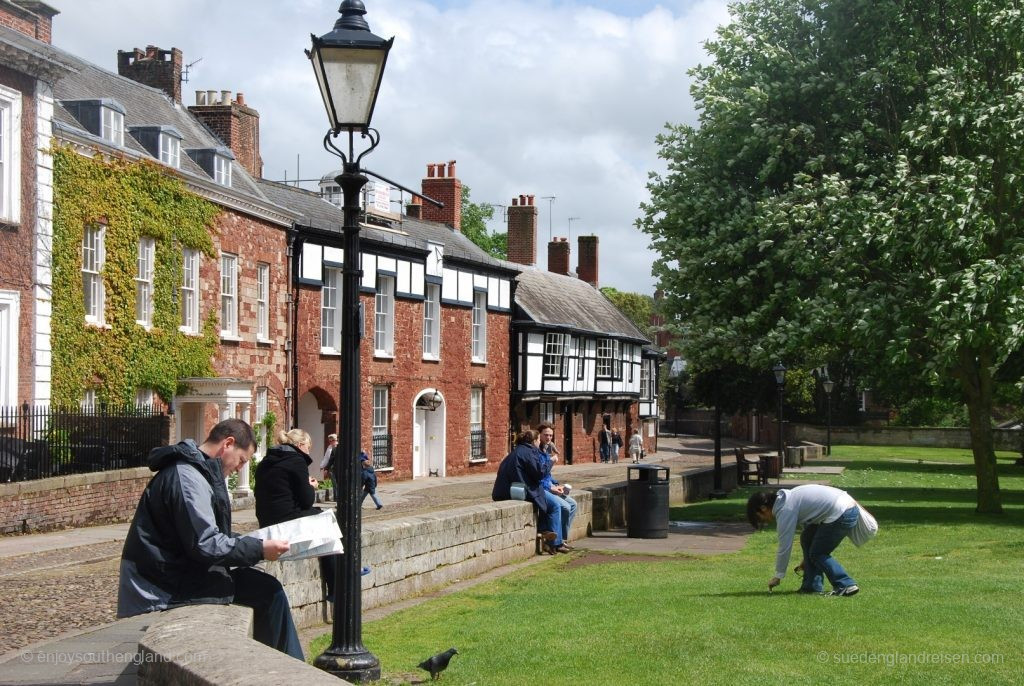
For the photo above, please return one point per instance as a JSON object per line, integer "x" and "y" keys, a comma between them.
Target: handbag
{"x": 517, "y": 491}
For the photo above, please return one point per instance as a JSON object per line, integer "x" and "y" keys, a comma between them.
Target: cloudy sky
{"x": 546, "y": 97}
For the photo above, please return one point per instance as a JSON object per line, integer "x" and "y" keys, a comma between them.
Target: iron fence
{"x": 477, "y": 444}
{"x": 43, "y": 441}
{"x": 382, "y": 451}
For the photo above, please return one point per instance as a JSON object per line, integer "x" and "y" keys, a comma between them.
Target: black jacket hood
{"x": 282, "y": 452}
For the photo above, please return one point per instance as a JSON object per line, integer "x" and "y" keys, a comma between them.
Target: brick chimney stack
{"x": 414, "y": 210}
{"x": 586, "y": 268}
{"x": 154, "y": 67}
{"x": 522, "y": 230}
{"x": 558, "y": 256}
{"x": 235, "y": 123}
{"x": 31, "y": 18}
{"x": 442, "y": 185}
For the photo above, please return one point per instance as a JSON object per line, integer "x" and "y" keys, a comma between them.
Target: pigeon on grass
{"x": 438, "y": 663}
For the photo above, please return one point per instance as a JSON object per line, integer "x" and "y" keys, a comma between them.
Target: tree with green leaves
{"x": 636, "y": 306}
{"x": 473, "y": 222}
{"x": 851, "y": 191}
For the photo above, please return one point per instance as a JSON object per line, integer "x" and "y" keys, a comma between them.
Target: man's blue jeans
{"x": 568, "y": 507}
{"x": 553, "y": 520}
{"x": 818, "y": 541}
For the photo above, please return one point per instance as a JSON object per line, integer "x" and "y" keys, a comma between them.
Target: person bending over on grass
{"x": 828, "y": 515}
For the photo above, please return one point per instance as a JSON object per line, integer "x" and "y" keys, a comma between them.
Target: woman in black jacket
{"x": 284, "y": 490}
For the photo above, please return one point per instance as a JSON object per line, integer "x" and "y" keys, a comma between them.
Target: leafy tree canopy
{"x": 473, "y": 222}
{"x": 637, "y": 306}
{"x": 852, "y": 192}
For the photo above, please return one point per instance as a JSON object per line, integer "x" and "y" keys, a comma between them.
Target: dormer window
{"x": 170, "y": 150}
{"x": 103, "y": 118}
{"x": 215, "y": 161}
{"x": 162, "y": 142}
{"x": 222, "y": 170}
{"x": 112, "y": 129}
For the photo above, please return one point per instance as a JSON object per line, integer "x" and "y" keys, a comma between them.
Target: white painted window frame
{"x": 384, "y": 317}
{"x": 93, "y": 258}
{"x": 263, "y": 302}
{"x": 222, "y": 170}
{"x": 432, "y": 322}
{"x": 189, "y": 291}
{"x": 330, "y": 312}
{"x": 10, "y": 155}
{"x": 479, "y": 326}
{"x": 228, "y": 295}
{"x": 145, "y": 263}
{"x": 10, "y": 308}
{"x": 170, "y": 150}
{"x": 111, "y": 126}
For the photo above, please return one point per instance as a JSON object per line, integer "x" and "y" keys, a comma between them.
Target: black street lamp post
{"x": 780, "y": 383}
{"x": 348, "y": 63}
{"x": 828, "y": 384}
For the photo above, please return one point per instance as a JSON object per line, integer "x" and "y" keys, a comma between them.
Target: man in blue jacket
{"x": 180, "y": 549}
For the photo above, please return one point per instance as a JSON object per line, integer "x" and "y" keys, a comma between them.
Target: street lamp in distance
{"x": 828, "y": 384}
{"x": 349, "y": 63}
{"x": 780, "y": 383}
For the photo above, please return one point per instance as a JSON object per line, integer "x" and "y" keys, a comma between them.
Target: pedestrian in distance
{"x": 636, "y": 447}
{"x": 604, "y": 443}
{"x": 369, "y": 480}
{"x": 180, "y": 549}
{"x": 616, "y": 445}
{"x": 327, "y": 464}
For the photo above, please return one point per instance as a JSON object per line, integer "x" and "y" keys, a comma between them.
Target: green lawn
{"x": 941, "y": 601}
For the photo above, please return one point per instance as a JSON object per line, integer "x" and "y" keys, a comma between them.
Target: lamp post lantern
{"x": 348, "y": 63}
{"x": 780, "y": 383}
{"x": 828, "y": 384}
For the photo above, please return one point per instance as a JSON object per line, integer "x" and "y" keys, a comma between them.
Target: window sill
{"x": 9, "y": 225}
{"x": 382, "y": 355}
{"x": 264, "y": 341}
{"x": 230, "y": 337}
{"x": 431, "y": 358}
{"x": 383, "y": 469}
{"x": 328, "y": 352}
{"x": 479, "y": 460}
{"x": 478, "y": 361}
{"x": 98, "y": 325}
{"x": 190, "y": 332}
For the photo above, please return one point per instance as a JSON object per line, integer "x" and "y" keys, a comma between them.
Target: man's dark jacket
{"x": 522, "y": 464}
{"x": 282, "y": 486}
{"x": 180, "y": 546}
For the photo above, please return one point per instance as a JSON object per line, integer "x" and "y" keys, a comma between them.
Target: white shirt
{"x": 810, "y": 504}
{"x": 327, "y": 456}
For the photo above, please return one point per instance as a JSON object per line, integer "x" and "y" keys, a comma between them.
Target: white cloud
{"x": 543, "y": 97}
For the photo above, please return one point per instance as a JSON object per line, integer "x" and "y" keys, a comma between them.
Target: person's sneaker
{"x": 846, "y": 591}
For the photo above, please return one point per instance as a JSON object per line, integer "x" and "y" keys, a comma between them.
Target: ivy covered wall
{"x": 132, "y": 199}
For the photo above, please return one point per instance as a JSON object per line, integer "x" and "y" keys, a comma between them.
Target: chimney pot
{"x": 515, "y": 202}
{"x": 225, "y": 97}
{"x": 430, "y": 171}
{"x": 200, "y": 98}
{"x": 530, "y": 198}
{"x": 151, "y": 51}
{"x": 211, "y": 97}
{"x": 446, "y": 188}
{"x": 451, "y": 168}
{"x": 240, "y": 98}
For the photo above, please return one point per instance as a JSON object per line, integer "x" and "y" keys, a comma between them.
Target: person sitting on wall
{"x": 521, "y": 469}
{"x": 556, "y": 494}
{"x": 180, "y": 549}
{"x": 284, "y": 490}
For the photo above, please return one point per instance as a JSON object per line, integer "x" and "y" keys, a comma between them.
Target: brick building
{"x": 137, "y": 117}
{"x": 436, "y": 326}
{"x": 29, "y": 67}
{"x": 578, "y": 362}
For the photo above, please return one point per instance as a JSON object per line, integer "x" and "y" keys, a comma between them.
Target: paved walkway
{"x": 61, "y": 587}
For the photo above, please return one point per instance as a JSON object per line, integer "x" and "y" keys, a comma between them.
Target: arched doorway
{"x": 311, "y": 419}
{"x": 428, "y": 434}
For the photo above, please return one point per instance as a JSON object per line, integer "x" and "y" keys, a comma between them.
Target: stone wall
{"x": 413, "y": 555}
{"x": 1004, "y": 439}
{"x": 74, "y": 500}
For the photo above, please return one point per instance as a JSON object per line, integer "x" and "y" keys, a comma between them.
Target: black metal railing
{"x": 382, "y": 451}
{"x": 478, "y": 444}
{"x": 43, "y": 441}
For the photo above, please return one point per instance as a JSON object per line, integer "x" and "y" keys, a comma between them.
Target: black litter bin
{"x": 647, "y": 501}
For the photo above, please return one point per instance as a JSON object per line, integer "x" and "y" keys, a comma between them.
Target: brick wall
{"x": 558, "y": 256}
{"x": 17, "y": 243}
{"x": 71, "y": 501}
{"x": 522, "y": 230}
{"x": 442, "y": 185}
{"x": 238, "y": 125}
{"x": 253, "y": 241}
{"x": 587, "y": 267}
{"x": 38, "y": 26}
{"x": 153, "y": 67}
{"x": 407, "y": 375}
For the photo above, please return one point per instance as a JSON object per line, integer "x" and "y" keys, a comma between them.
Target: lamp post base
{"x": 355, "y": 667}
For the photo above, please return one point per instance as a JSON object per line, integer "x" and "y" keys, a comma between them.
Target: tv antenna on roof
{"x": 185, "y": 71}
{"x": 550, "y": 199}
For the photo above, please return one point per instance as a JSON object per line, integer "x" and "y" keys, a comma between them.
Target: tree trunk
{"x": 975, "y": 378}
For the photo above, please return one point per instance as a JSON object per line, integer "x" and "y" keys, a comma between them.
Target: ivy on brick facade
{"x": 132, "y": 199}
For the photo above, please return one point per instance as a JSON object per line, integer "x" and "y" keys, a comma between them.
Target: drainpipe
{"x": 294, "y": 250}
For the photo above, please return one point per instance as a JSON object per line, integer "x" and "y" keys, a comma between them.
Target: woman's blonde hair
{"x": 294, "y": 437}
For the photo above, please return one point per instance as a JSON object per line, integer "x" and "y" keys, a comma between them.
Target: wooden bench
{"x": 749, "y": 470}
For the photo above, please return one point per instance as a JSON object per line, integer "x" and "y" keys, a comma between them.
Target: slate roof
{"x": 28, "y": 55}
{"x": 144, "y": 106}
{"x": 554, "y": 300}
{"x": 317, "y": 213}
